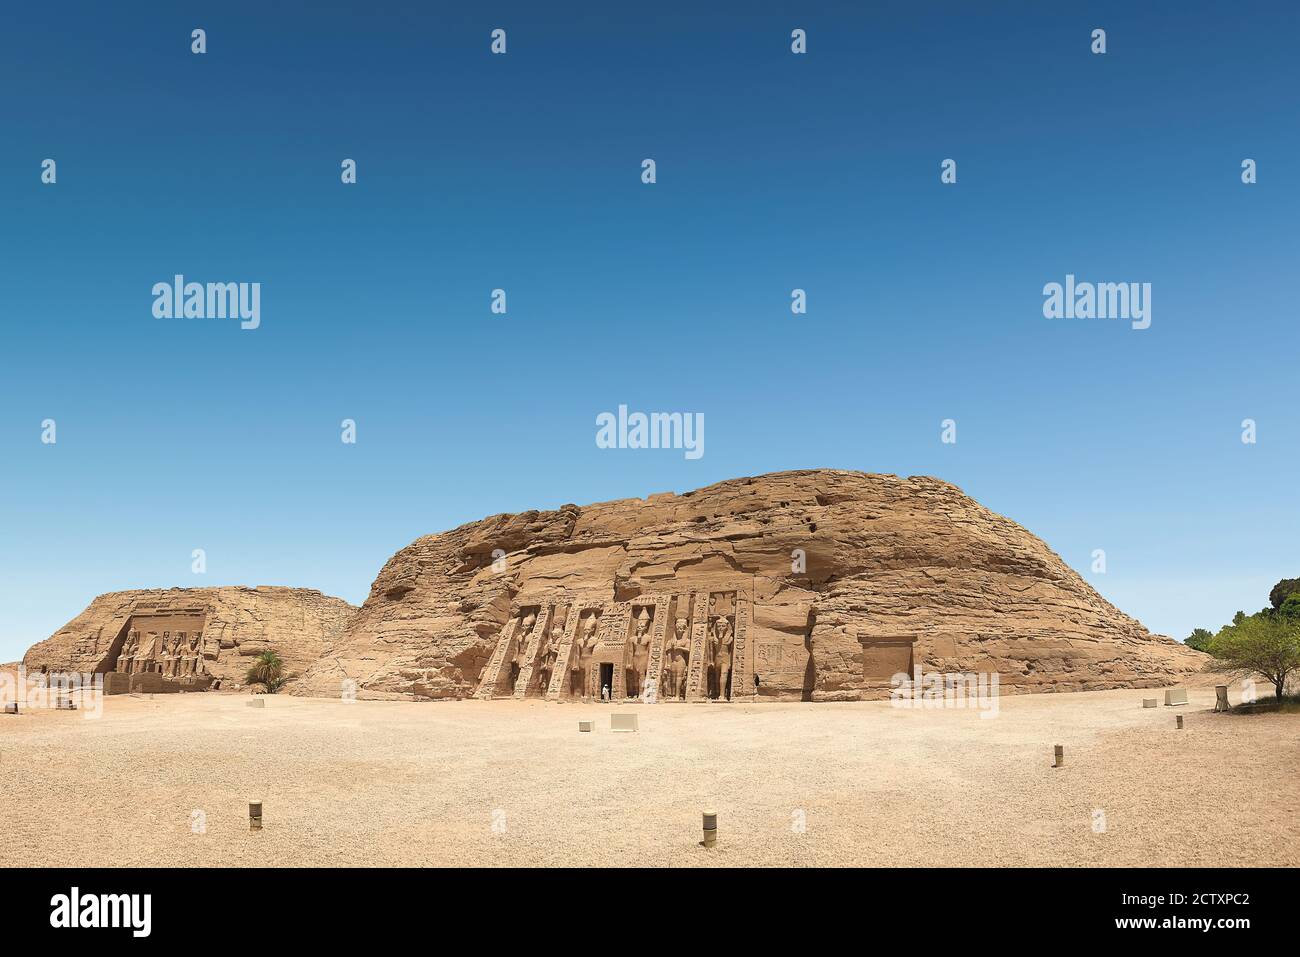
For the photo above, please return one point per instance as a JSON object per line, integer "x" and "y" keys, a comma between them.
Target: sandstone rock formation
{"x": 195, "y": 633}
{"x": 813, "y": 585}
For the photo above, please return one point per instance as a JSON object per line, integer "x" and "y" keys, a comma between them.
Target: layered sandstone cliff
{"x": 839, "y": 579}
{"x": 226, "y": 627}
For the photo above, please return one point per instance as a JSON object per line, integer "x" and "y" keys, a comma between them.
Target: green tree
{"x": 268, "y": 670}
{"x": 1291, "y": 607}
{"x": 1282, "y": 590}
{"x": 1267, "y": 645}
{"x": 1200, "y": 639}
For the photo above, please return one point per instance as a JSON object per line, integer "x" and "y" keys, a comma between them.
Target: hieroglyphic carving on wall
{"x": 663, "y": 605}
{"x": 742, "y": 676}
{"x": 491, "y": 676}
{"x": 611, "y": 648}
{"x": 767, "y": 658}
{"x": 697, "y": 672}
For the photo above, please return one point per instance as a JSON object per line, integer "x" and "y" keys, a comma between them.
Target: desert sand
{"x": 167, "y": 780}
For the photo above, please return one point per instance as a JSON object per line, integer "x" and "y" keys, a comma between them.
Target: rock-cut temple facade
{"x": 816, "y": 586}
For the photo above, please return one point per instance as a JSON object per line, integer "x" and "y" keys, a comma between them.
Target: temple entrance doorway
{"x": 606, "y": 678}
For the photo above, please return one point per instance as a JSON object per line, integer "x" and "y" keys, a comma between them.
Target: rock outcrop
{"x": 812, "y": 585}
{"x": 225, "y": 628}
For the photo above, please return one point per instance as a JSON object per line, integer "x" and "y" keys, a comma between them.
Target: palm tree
{"x": 267, "y": 670}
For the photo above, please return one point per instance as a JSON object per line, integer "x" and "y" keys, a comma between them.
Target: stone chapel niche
{"x": 523, "y": 635}
{"x": 677, "y": 653}
{"x": 720, "y": 648}
{"x": 882, "y": 658}
{"x": 637, "y": 659}
{"x": 549, "y": 649}
{"x": 584, "y": 647}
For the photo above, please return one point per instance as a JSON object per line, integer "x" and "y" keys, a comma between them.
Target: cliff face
{"x": 225, "y": 627}
{"x": 830, "y": 582}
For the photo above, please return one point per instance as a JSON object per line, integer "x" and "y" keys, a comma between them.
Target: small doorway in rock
{"x": 607, "y": 678}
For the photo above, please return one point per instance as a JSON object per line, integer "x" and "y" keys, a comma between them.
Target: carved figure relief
{"x": 521, "y": 646}
{"x": 126, "y": 659}
{"x": 721, "y": 645}
{"x": 638, "y": 652}
{"x": 581, "y": 666}
{"x": 551, "y": 648}
{"x": 679, "y": 653}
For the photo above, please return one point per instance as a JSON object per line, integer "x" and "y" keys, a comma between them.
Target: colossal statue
{"x": 521, "y": 646}
{"x": 679, "y": 653}
{"x": 551, "y": 649}
{"x": 722, "y": 661}
{"x": 586, "y": 647}
{"x": 638, "y": 653}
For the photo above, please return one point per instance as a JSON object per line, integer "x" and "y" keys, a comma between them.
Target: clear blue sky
{"x": 522, "y": 171}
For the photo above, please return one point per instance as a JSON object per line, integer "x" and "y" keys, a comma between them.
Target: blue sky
{"x": 522, "y": 172}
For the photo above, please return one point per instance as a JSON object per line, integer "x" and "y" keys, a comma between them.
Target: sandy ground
{"x": 514, "y": 783}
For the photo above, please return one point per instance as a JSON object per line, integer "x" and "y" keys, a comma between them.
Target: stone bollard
{"x": 254, "y": 815}
{"x": 710, "y": 828}
{"x": 256, "y": 703}
{"x": 1221, "y": 698}
{"x": 586, "y": 725}
{"x": 1060, "y": 756}
{"x": 1180, "y": 722}
{"x": 11, "y": 707}
{"x": 1149, "y": 702}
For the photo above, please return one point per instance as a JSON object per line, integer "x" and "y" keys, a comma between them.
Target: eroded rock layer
{"x": 814, "y": 585}
{"x": 194, "y": 633}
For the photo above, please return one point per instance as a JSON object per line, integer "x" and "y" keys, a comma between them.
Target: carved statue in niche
{"x": 638, "y": 653}
{"x": 551, "y": 649}
{"x": 678, "y": 654}
{"x": 171, "y": 655}
{"x": 581, "y": 662}
{"x": 720, "y": 645}
{"x": 521, "y": 646}
{"x": 149, "y": 649}
{"x": 129, "y": 649}
{"x": 185, "y": 666}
